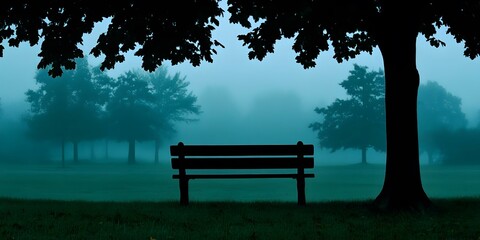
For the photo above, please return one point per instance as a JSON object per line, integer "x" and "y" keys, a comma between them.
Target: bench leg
{"x": 301, "y": 191}
{"x": 183, "y": 191}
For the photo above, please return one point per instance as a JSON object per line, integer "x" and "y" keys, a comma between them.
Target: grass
{"x": 48, "y": 219}
{"x": 117, "y": 201}
{"x": 149, "y": 182}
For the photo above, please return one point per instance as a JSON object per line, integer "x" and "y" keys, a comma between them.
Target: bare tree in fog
{"x": 359, "y": 121}
{"x": 438, "y": 110}
{"x": 66, "y": 108}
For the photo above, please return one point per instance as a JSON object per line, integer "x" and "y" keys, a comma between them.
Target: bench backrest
{"x": 241, "y": 156}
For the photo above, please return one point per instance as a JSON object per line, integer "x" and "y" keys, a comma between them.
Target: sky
{"x": 245, "y": 82}
{"x": 245, "y": 79}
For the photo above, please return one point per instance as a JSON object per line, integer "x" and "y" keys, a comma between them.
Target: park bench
{"x": 241, "y": 158}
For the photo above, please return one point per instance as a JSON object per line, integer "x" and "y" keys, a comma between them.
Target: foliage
{"x": 350, "y": 27}
{"x": 64, "y": 108}
{"x": 173, "y": 102}
{"x": 359, "y": 121}
{"x": 130, "y": 107}
{"x": 146, "y": 106}
{"x": 438, "y": 110}
{"x": 61, "y": 25}
{"x": 458, "y": 146}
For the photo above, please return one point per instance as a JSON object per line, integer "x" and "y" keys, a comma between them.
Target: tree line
{"x": 85, "y": 104}
{"x": 358, "y": 122}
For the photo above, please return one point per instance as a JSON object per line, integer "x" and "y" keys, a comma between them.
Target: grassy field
{"x": 37, "y": 219}
{"x": 118, "y": 201}
{"x": 149, "y": 182}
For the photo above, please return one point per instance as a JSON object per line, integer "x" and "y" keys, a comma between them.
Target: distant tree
{"x": 458, "y": 146}
{"x": 145, "y": 106}
{"x": 47, "y": 117}
{"x": 438, "y": 110}
{"x": 173, "y": 103}
{"x": 86, "y": 106}
{"x": 359, "y": 121}
{"x": 64, "y": 109}
{"x": 104, "y": 88}
{"x": 131, "y": 110}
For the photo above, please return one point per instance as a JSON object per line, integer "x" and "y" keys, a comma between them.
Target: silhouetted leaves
{"x": 178, "y": 31}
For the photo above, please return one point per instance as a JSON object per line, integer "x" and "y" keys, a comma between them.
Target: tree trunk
{"x": 157, "y": 148}
{"x": 131, "y": 151}
{"x": 75, "y": 151}
{"x": 364, "y": 156}
{"x": 402, "y": 189}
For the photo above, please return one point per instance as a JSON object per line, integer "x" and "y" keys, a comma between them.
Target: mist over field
{"x": 243, "y": 102}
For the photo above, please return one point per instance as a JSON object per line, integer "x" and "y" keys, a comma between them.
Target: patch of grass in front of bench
{"x": 39, "y": 219}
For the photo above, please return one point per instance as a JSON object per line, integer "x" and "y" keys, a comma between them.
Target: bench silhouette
{"x": 242, "y": 157}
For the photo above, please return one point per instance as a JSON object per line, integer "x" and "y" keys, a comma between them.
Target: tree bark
{"x": 131, "y": 151}
{"x": 402, "y": 188}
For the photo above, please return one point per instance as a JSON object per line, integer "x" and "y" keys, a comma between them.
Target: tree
{"x": 172, "y": 103}
{"x": 352, "y": 27}
{"x": 146, "y": 106}
{"x": 86, "y": 106}
{"x": 104, "y": 84}
{"x": 131, "y": 110}
{"x": 458, "y": 146}
{"x": 438, "y": 110}
{"x": 182, "y": 30}
{"x": 359, "y": 121}
{"x": 65, "y": 108}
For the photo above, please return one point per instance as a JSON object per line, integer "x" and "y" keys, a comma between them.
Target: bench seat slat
{"x": 211, "y": 176}
{"x": 241, "y": 150}
{"x": 242, "y": 163}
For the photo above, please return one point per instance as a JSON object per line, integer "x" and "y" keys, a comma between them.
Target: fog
{"x": 242, "y": 102}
